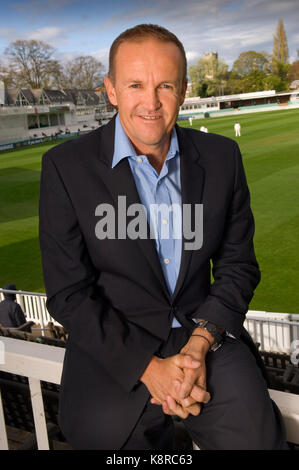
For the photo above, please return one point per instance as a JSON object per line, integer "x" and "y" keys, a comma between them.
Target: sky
{"x": 88, "y": 27}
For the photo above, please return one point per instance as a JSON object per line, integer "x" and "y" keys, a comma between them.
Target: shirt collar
{"x": 123, "y": 147}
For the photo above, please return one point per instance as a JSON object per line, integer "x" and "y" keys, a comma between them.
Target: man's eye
{"x": 165, "y": 85}
{"x": 135, "y": 85}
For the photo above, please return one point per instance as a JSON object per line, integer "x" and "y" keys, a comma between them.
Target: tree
{"x": 248, "y": 72}
{"x": 7, "y": 76}
{"x": 32, "y": 63}
{"x": 84, "y": 72}
{"x": 280, "y": 44}
{"x": 273, "y": 82}
{"x": 293, "y": 73}
{"x": 251, "y": 61}
{"x": 253, "y": 81}
{"x": 208, "y": 76}
{"x": 280, "y": 56}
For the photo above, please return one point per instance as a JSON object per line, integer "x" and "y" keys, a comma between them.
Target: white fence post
{"x": 38, "y": 362}
{"x": 38, "y": 414}
{"x": 3, "y": 434}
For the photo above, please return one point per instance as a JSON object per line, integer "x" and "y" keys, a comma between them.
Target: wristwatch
{"x": 213, "y": 330}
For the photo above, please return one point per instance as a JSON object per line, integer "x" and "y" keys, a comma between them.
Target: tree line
{"x": 32, "y": 64}
{"x": 251, "y": 71}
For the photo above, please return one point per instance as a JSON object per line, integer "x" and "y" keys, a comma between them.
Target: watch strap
{"x": 213, "y": 330}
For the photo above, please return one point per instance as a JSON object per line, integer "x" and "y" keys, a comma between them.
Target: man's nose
{"x": 151, "y": 99}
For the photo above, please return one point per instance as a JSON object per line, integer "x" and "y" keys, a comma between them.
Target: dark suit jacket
{"x": 11, "y": 314}
{"x": 111, "y": 295}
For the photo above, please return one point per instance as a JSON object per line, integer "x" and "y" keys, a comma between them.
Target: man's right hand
{"x": 161, "y": 377}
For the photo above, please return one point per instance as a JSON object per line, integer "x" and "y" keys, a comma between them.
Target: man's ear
{"x": 110, "y": 91}
{"x": 183, "y": 92}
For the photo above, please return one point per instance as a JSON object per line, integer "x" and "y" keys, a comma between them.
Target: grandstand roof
{"x": 30, "y": 96}
{"x": 11, "y": 96}
{"x": 56, "y": 96}
{"x": 27, "y": 93}
{"x": 83, "y": 96}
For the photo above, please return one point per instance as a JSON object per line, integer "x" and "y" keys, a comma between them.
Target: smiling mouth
{"x": 150, "y": 118}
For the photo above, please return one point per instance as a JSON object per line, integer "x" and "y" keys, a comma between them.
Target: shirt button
{"x": 164, "y": 222}
{"x": 139, "y": 159}
{"x": 166, "y": 260}
{"x": 159, "y": 182}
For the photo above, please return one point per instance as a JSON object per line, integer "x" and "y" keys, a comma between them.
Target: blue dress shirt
{"x": 158, "y": 193}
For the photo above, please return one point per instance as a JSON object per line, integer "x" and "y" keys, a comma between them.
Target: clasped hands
{"x": 178, "y": 383}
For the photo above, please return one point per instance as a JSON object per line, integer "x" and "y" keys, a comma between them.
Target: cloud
{"x": 192, "y": 56}
{"x": 129, "y": 17}
{"x": 228, "y": 27}
{"x": 103, "y": 56}
{"x": 6, "y": 33}
{"x": 50, "y": 34}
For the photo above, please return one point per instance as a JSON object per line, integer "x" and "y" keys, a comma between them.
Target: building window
{"x": 32, "y": 121}
{"x": 61, "y": 119}
{"x": 43, "y": 120}
{"x": 53, "y": 119}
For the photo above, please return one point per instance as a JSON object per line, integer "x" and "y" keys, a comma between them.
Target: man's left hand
{"x": 192, "y": 390}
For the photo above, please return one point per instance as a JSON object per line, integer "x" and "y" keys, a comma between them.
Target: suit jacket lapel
{"x": 192, "y": 182}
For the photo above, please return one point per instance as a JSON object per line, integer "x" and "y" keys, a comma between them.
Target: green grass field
{"x": 270, "y": 149}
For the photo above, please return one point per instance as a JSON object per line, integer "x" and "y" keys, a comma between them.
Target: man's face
{"x": 148, "y": 89}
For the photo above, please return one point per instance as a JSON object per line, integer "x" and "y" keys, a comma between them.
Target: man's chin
{"x": 150, "y": 140}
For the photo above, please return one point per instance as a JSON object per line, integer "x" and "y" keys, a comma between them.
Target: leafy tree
{"x": 280, "y": 56}
{"x": 252, "y": 82}
{"x": 293, "y": 73}
{"x": 208, "y": 76}
{"x": 280, "y": 70}
{"x": 275, "y": 83}
{"x": 251, "y": 61}
{"x": 280, "y": 44}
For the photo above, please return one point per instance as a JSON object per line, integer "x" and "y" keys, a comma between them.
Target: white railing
{"x": 41, "y": 362}
{"x": 37, "y": 362}
{"x": 274, "y": 331}
{"x": 34, "y": 306}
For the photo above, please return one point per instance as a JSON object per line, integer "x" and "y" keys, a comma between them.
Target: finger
{"x": 175, "y": 408}
{"x": 190, "y": 377}
{"x": 177, "y": 386}
{"x": 180, "y": 410}
{"x": 200, "y": 395}
{"x": 194, "y": 409}
{"x": 166, "y": 409}
{"x": 201, "y": 381}
{"x": 186, "y": 402}
{"x": 184, "y": 360}
{"x": 155, "y": 401}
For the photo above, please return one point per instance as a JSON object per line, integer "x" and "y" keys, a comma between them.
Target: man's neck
{"x": 156, "y": 155}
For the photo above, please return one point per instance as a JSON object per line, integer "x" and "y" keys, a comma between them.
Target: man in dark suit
{"x": 149, "y": 335}
{"x": 11, "y": 313}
